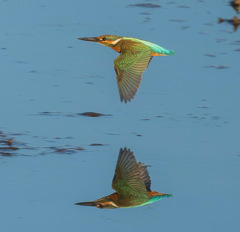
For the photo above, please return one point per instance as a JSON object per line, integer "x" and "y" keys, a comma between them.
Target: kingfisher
{"x": 132, "y": 184}
{"x": 135, "y": 56}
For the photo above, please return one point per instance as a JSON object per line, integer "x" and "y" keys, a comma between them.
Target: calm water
{"x": 184, "y": 120}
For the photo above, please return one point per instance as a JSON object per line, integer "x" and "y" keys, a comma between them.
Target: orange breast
{"x": 116, "y": 49}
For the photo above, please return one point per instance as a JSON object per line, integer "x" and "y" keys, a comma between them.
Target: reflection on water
{"x": 132, "y": 184}
{"x": 217, "y": 66}
{"x": 8, "y": 145}
{"x": 146, "y": 5}
{"x": 187, "y": 108}
{"x": 235, "y": 22}
{"x": 235, "y": 4}
{"x": 87, "y": 114}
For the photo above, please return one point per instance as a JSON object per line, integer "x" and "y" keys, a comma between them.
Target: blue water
{"x": 184, "y": 120}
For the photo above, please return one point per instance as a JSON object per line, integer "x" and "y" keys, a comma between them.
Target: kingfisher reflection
{"x": 132, "y": 184}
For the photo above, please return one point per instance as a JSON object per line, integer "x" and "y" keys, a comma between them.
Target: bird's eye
{"x": 103, "y": 39}
{"x": 100, "y": 206}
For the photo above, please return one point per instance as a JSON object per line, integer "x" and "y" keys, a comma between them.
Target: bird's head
{"x": 106, "y": 40}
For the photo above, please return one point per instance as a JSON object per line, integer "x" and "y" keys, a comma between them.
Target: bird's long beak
{"x": 87, "y": 203}
{"x": 91, "y": 39}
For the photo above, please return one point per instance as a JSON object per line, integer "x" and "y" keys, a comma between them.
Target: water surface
{"x": 184, "y": 120}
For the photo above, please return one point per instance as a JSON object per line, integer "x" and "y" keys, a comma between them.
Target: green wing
{"x": 127, "y": 179}
{"x": 145, "y": 176}
{"x": 129, "y": 66}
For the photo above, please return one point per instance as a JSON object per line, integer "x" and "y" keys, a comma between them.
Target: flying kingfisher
{"x": 135, "y": 56}
{"x": 132, "y": 184}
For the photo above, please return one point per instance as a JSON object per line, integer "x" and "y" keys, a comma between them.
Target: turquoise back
{"x": 156, "y": 48}
{"x": 155, "y": 198}
{"x": 150, "y": 201}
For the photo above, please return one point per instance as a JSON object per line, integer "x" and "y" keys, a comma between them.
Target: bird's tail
{"x": 170, "y": 53}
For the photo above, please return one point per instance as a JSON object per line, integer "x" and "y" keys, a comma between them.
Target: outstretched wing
{"x": 127, "y": 180}
{"x": 129, "y": 66}
{"x": 145, "y": 176}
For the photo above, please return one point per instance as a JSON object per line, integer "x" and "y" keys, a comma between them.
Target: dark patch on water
{"x": 178, "y": 20}
{"x": 21, "y": 62}
{"x": 210, "y": 55}
{"x": 8, "y": 141}
{"x": 47, "y": 113}
{"x": 217, "y": 66}
{"x": 146, "y": 19}
{"x": 6, "y": 154}
{"x": 9, "y": 146}
{"x": 110, "y": 133}
{"x": 206, "y": 117}
{"x": 137, "y": 134}
{"x": 183, "y": 6}
{"x": 202, "y": 107}
{"x": 65, "y": 150}
{"x": 87, "y": 114}
{"x": 68, "y": 137}
{"x": 93, "y": 114}
{"x": 219, "y": 40}
{"x": 146, "y": 5}
{"x": 208, "y": 24}
{"x": 96, "y": 144}
{"x": 145, "y": 13}
{"x": 237, "y": 50}
{"x": 59, "y": 150}
{"x": 185, "y": 27}
{"x": 203, "y": 32}
{"x": 215, "y": 117}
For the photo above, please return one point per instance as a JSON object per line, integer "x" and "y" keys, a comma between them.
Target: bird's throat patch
{"x": 116, "y": 41}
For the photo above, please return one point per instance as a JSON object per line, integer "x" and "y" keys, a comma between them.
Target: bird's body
{"x": 132, "y": 184}
{"x": 135, "y": 56}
